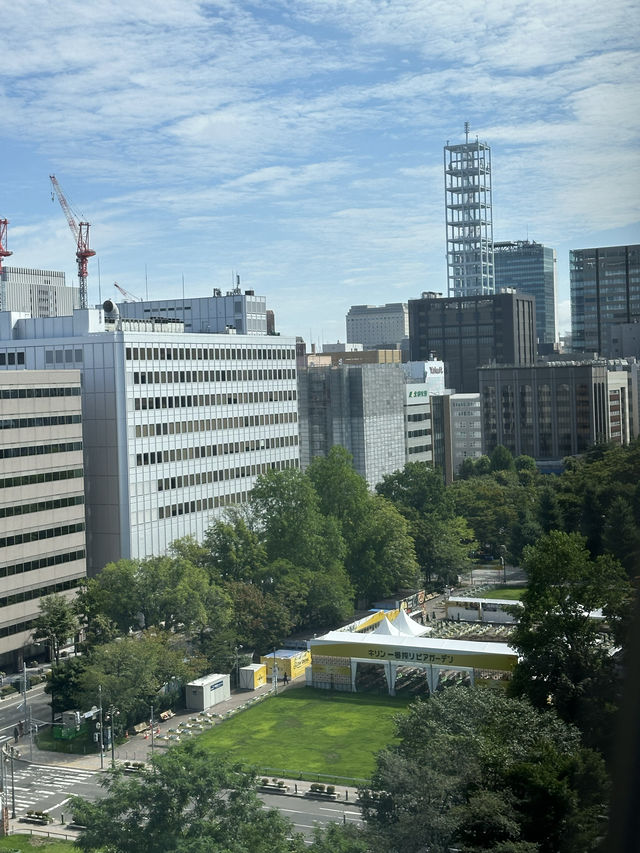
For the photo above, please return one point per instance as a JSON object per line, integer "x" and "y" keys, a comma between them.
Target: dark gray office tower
{"x": 530, "y": 267}
{"x": 605, "y": 292}
{"x": 467, "y": 332}
{"x": 555, "y": 409}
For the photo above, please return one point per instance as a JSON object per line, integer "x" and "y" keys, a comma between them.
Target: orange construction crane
{"x": 128, "y": 297}
{"x": 4, "y": 252}
{"x": 80, "y": 231}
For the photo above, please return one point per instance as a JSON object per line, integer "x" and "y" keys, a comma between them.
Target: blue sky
{"x": 299, "y": 143}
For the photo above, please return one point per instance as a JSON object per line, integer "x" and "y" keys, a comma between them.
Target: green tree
{"x": 382, "y": 555}
{"x": 621, "y": 536}
{"x": 563, "y": 661}
{"x": 502, "y": 459}
{"x": 112, "y": 593}
{"x": 132, "y": 671}
{"x": 56, "y": 623}
{"x": 476, "y": 770}
{"x": 235, "y": 552}
{"x": 64, "y": 684}
{"x": 186, "y": 804}
{"x": 286, "y": 510}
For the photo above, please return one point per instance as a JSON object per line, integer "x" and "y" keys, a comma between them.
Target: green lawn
{"x": 26, "y": 844}
{"x": 307, "y": 734}
{"x": 513, "y": 593}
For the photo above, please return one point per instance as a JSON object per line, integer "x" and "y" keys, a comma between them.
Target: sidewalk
{"x": 137, "y": 747}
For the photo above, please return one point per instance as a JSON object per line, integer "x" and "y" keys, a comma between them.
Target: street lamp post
{"x": 112, "y": 714}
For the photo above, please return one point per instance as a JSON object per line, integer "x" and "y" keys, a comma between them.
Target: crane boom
{"x": 129, "y": 297}
{"x": 4, "y": 252}
{"x": 80, "y": 232}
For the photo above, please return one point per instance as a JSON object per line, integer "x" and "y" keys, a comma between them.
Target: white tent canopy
{"x": 387, "y": 628}
{"x": 406, "y": 625}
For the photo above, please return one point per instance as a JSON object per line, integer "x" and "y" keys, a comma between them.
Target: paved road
{"x": 12, "y": 709}
{"x": 306, "y": 813}
{"x": 48, "y": 789}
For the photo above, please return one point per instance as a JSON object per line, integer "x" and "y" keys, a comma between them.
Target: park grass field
{"x": 27, "y": 844}
{"x": 309, "y": 734}
{"x": 513, "y": 593}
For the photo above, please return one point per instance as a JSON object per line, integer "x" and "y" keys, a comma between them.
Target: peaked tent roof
{"x": 386, "y": 627}
{"x": 406, "y": 625}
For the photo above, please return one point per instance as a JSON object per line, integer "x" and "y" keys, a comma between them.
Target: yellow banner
{"x": 407, "y": 657}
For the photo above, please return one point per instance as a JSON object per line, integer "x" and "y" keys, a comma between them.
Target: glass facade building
{"x": 530, "y": 268}
{"x": 605, "y": 292}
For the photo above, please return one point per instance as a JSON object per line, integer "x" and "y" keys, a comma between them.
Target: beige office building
{"x": 42, "y": 523}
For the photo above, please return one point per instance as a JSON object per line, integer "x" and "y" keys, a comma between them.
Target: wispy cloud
{"x": 302, "y": 142}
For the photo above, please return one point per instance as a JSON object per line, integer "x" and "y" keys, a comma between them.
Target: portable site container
{"x": 290, "y": 661}
{"x": 204, "y": 692}
{"x": 253, "y": 676}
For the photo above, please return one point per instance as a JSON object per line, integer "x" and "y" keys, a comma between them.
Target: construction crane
{"x": 128, "y": 297}
{"x": 4, "y": 252}
{"x": 80, "y": 231}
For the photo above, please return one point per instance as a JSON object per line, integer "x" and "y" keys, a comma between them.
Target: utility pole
{"x": 101, "y": 729}
{"x": 152, "y": 734}
{"x": 13, "y": 788}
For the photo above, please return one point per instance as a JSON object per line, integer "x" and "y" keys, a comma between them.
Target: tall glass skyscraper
{"x": 530, "y": 267}
{"x": 467, "y": 189}
{"x": 605, "y": 292}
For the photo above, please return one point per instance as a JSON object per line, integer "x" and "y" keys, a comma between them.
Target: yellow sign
{"x": 411, "y": 656}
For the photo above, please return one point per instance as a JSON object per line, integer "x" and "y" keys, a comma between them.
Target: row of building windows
{"x": 203, "y": 477}
{"x": 208, "y": 424}
{"x": 422, "y": 416}
{"x": 179, "y": 454}
{"x": 28, "y": 393}
{"x": 59, "y": 356}
{"x": 18, "y": 628}
{"x": 25, "y": 423}
{"x": 37, "y": 535}
{"x": 41, "y": 563}
{"x": 42, "y": 477}
{"x": 163, "y": 376}
{"x": 204, "y": 504}
{"x": 422, "y": 448}
{"x": 39, "y": 449}
{"x": 190, "y": 400}
{"x": 41, "y": 506}
{"x": 206, "y": 354}
{"x": 30, "y": 594}
{"x": 413, "y": 433}
{"x": 11, "y": 358}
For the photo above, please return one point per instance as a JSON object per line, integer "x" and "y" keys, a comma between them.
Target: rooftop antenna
{"x": 466, "y": 132}
{"x": 146, "y": 283}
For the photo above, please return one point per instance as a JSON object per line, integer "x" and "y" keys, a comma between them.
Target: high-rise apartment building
{"x": 378, "y": 326}
{"x": 469, "y": 223}
{"x": 40, "y": 293}
{"x": 467, "y": 332}
{"x": 605, "y": 292}
{"x": 42, "y": 513}
{"x": 177, "y": 425}
{"x": 530, "y": 267}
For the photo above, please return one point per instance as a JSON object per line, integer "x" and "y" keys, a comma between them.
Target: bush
{"x": 331, "y": 789}
{"x": 35, "y": 679}
{"x": 264, "y": 781}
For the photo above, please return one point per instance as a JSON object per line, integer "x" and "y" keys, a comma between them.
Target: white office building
{"x": 378, "y": 326}
{"x": 39, "y": 293}
{"x": 42, "y": 518}
{"x": 235, "y": 311}
{"x": 177, "y": 425}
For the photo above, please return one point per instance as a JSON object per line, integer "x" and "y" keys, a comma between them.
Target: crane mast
{"x": 4, "y": 252}
{"x": 80, "y": 231}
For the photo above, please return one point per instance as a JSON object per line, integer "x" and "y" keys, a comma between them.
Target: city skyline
{"x": 300, "y": 145}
